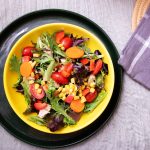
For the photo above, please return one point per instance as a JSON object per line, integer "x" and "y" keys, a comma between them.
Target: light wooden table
{"x": 129, "y": 128}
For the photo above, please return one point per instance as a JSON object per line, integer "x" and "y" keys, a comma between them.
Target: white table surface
{"x": 129, "y": 128}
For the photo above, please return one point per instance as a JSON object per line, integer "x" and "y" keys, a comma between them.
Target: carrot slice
{"x": 77, "y": 106}
{"x": 74, "y": 52}
{"x": 92, "y": 64}
{"x": 25, "y": 69}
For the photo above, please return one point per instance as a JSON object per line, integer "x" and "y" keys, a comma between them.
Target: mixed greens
{"x": 60, "y": 79}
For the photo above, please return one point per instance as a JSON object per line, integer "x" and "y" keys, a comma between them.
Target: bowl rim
{"x": 32, "y": 31}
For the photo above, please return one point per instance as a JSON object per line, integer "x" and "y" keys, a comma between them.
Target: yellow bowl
{"x": 17, "y": 101}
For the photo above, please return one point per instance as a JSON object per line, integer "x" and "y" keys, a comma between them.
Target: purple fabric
{"x": 135, "y": 57}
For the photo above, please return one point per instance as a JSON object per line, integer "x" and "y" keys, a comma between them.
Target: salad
{"x": 60, "y": 78}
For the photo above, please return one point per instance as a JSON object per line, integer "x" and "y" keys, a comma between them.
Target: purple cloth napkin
{"x": 135, "y": 57}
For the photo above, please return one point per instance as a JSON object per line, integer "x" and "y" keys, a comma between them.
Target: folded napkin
{"x": 135, "y": 57}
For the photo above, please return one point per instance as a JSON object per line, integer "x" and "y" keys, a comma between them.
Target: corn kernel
{"x": 63, "y": 90}
{"x": 36, "y": 86}
{"x": 67, "y": 86}
{"x": 73, "y": 94}
{"x": 61, "y": 95}
{"x": 85, "y": 83}
{"x": 72, "y": 80}
{"x": 60, "y": 89}
{"x": 36, "y": 55}
{"x": 60, "y": 45}
{"x": 83, "y": 87}
{"x": 71, "y": 90}
{"x": 80, "y": 95}
{"x": 39, "y": 91}
{"x": 64, "y": 97}
{"x": 92, "y": 85}
{"x": 31, "y": 82}
{"x": 76, "y": 97}
{"x": 92, "y": 90}
{"x": 62, "y": 48}
{"x": 85, "y": 79}
{"x": 75, "y": 88}
{"x": 32, "y": 74}
{"x": 43, "y": 82}
{"x": 83, "y": 99}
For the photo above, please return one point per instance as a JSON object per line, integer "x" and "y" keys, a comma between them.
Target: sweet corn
{"x": 76, "y": 97}
{"x": 60, "y": 45}
{"x": 75, "y": 88}
{"x": 60, "y": 89}
{"x": 85, "y": 83}
{"x": 83, "y": 99}
{"x": 61, "y": 95}
{"x": 82, "y": 87}
{"x": 39, "y": 91}
{"x": 80, "y": 95}
{"x": 72, "y": 80}
{"x": 43, "y": 82}
{"x": 36, "y": 55}
{"x": 32, "y": 74}
{"x": 92, "y": 85}
{"x": 36, "y": 86}
{"x": 92, "y": 90}
{"x": 71, "y": 90}
{"x": 62, "y": 48}
{"x": 31, "y": 82}
{"x": 64, "y": 97}
{"x": 85, "y": 79}
{"x": 73, "y": 94}
{"x": 63, "y": 90}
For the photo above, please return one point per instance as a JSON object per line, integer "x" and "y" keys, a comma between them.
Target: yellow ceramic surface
{"x": 17, "y": 101}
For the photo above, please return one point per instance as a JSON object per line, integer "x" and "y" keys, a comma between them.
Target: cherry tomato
{"x": 67, "y": 69}
{"x": 27, "y": 51}
{"x": 84, "y": 61}
{"x": 57, "y": 77}
{"x": 59, "y": 36}
{"x": 66, "y": 42}
{"x": 85, "y": 91}
{"x": 39, "y": 105}
{"x": 26, "y": 58}
{"x": 98, "y": 66}
{"x": 91, "y": 96}
{"x": 69, "y": 99}
{"x": 35, "y": 93}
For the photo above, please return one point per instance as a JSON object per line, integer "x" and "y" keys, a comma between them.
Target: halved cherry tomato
{"x": 91, "y": 96}
{"x": 98, "y": 66}
{"x": 69, "y": 99}
{"x": 67, "y": 69}
{"x": 92, "y": 64}
{"x": 35, "y": 93}
{"x": 59, "y": 36}
{"x": 66, "y": 42}
{"x": 57, "y": 77}
{"x": 39, "y": 105}
{"x": 85, "y": 91}
{"x": 65, "y": 73}
{"x": 84, "y": 61}
{"x": 27, "y": 51}
{"x": 26, "y": 58}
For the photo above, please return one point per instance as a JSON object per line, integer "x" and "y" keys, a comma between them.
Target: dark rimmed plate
{"x": 10, "y": 121}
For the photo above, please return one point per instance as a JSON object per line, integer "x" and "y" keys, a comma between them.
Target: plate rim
{"x": 116, "y": 53}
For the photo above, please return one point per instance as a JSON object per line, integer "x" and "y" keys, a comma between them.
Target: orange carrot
{"x": 25, "y": 69}
{"x": 92, "y": 64}
{"x": 77, "y": 106}
{"x": 85, "y": 91}
{"x": 74, "y": 52}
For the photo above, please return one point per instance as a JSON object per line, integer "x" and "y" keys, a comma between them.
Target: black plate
{"x": 10, "y": 121}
